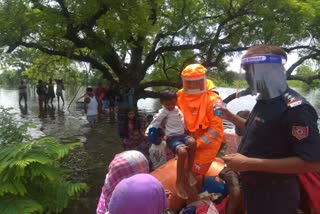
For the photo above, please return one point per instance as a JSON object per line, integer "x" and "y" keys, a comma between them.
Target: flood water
{"x": 68, "y": 124}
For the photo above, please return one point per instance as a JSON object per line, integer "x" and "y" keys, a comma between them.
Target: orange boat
{"x": 166, "y": 174}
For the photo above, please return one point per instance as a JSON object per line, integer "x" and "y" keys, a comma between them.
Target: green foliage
{"x": 308, "y": 70}
{"x": 9, "y": 78}
{"x": 12, "y": 131}
{"x": 31, "y": 178}
{"x": 33, "y": 65}
{"x": 296, "y": 84}
{"x": 222, "y": 78}
{"x": 129, "y": 40}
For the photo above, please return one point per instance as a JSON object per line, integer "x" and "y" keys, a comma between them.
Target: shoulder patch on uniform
{"x": 295, "y": 103}
{"x": 300, "y": 132}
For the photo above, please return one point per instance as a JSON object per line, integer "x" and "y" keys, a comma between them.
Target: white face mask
{"x": 194, "y": 85}
{"x": 265, "y": 75}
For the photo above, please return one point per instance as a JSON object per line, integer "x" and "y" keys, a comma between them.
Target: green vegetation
{"x": 296, "y": 84}
{"x": 31, "y": 178}
{"x": 11, "y": 132}
{"x": 126, "y": 41}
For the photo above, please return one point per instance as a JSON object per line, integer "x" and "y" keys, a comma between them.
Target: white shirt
{"x": 157, "y": 154}
{"x": 175, "y": 121}
{"x": 92, "y": 106}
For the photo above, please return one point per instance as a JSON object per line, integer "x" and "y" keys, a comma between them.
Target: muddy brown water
{"x": 89, "y": 163}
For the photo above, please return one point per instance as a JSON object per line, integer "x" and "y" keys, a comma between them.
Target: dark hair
{"x": 265, "y": 49}
{"x": 89, "y": 89}
{"x": 167, "y": 95}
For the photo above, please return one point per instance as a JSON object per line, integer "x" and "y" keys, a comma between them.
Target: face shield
{"x": 194, "y": 85}
{"x": 265, "y": 75}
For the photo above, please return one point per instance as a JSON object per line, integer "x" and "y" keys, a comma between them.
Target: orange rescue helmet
{"x": 194, "y": 79}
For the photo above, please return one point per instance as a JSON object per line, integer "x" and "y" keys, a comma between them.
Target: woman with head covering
{"x": 141, "y": 193}
{"x": 123, "y": 165}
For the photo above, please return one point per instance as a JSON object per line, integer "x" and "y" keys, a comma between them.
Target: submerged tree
{"x": 126, "y": 40}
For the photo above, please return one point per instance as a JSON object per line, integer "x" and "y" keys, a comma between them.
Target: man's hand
{"x": 237, "y": 162}
{"x": 226, "y": 114}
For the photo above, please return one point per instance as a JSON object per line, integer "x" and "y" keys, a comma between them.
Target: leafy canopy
{"x": 128, "y": 40}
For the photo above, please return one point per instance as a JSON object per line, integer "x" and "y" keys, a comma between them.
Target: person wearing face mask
{"x": 281, "y": 138}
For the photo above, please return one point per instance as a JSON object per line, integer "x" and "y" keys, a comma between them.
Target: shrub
{"x": 31, "y": 178}
{"x": 10, "y": 130}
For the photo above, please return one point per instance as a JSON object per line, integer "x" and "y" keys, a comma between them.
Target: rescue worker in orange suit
{"x": 196, "y": 101}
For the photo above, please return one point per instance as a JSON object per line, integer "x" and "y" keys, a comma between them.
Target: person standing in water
{"x": 22, "y": 92}
{"x": 91, "y": 107}
{"x": 59, "y": 90}
{"x": 51, "y": 94}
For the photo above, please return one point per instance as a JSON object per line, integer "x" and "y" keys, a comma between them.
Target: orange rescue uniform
{"x": 200, "y": 120}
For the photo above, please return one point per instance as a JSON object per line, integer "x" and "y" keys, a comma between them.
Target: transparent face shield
{"x": 194, "y": 85}
{"x": 265, "y": 75}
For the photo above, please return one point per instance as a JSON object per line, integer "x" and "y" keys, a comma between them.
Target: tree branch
{"x": 307, "y": 80}
{"x": 288, "y": 50}
{"x": 300, "y": 61}
{"x": 84, "y": 58}
{"x": 148, "y": 94}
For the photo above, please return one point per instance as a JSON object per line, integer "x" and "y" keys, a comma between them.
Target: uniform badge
{"x": 259, "y": 119}
{"x": 295, "y": 103}
{"x": 300, "y": 132}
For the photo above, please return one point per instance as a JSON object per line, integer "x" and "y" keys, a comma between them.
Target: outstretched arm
{"x": 295, "y": 164}
{"x": 238, "y": 121}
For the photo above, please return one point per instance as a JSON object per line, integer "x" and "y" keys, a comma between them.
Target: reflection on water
{"x": 90, "y": 162}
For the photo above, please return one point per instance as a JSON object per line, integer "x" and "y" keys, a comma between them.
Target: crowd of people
{"x": 276, "y": 160}
{"x": 46, "y": 93}
{"x": 272, "y": 164}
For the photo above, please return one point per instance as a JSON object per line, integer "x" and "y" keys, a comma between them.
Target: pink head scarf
{"x": 123, "y": 165}
{"x": 141, "y": 193}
